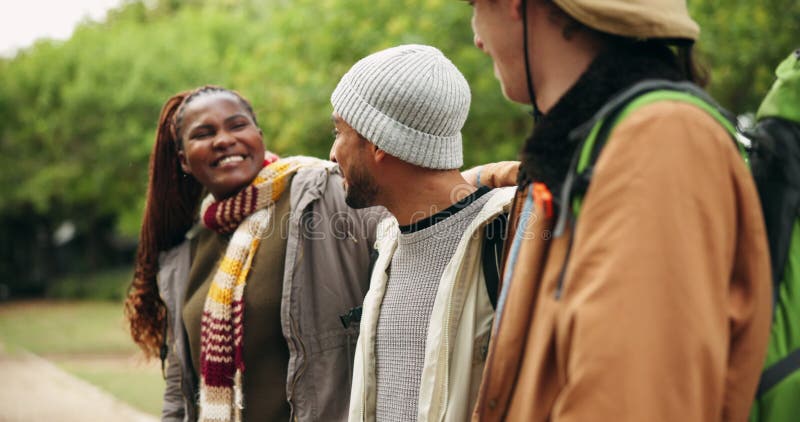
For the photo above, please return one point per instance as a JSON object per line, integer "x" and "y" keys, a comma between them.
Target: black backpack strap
{"x": 621, "y": 99}
{"x": 576, "y": 183}
{"x": 492, "y": 255}
{"x": 778, "y": 372}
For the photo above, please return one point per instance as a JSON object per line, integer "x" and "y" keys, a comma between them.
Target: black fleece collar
{"x": 547, "y": 151}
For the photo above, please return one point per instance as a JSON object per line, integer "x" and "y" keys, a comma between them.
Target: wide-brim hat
{"x": 642, "y": 19}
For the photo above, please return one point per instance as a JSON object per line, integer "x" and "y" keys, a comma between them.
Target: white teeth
{"x": 230, "y": 159}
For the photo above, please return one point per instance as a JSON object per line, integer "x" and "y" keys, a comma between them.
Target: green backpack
{"x": 776, "y": 170}
{"x": 778, "y": 397}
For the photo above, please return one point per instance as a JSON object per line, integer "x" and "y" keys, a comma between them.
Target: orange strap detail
{"x": 543, "y": 198}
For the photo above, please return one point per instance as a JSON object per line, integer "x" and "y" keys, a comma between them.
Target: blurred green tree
{"x": 78, "y": 117}
{"x": 743, "y": 41}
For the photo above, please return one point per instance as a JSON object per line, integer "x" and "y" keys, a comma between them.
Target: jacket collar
{"x": 309, "y": 185}
{"x": 500, "y": 202}
{"x": 547, "y": 152}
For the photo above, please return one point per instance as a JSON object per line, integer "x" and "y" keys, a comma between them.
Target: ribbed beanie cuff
{"x": 410, "y": 101}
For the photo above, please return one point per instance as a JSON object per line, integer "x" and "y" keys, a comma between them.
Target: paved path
{"x": 33, "y": 389}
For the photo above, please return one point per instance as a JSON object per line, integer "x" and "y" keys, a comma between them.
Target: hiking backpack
{"x": 775, "y": 163}
{"x": 776, "y": 167}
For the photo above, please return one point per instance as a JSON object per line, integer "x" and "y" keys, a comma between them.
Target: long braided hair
{"x": 170, "y": 210}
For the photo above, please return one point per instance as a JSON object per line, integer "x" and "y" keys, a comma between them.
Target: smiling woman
{"x": 222, "y": 147}
{"x": 252, "y": 285}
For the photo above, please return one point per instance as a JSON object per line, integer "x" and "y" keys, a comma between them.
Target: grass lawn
{"x": 89, "y": 340}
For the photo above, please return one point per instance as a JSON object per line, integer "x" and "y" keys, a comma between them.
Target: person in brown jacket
{"x": 654, "y": 304}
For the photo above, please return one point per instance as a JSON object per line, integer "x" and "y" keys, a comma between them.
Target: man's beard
{"x": 361, "y": 189}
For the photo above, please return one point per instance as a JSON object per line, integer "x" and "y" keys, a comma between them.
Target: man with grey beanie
{"x": 426, "y": 318}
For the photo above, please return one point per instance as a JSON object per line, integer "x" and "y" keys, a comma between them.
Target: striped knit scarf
{"x": 247, "y": 215}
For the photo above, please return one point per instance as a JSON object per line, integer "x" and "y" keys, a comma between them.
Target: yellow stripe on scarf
{"x": 230, "y": 266}
{"x": 222, "y": 295}
{"x": 277, "y": 188}
{"x": 248, "y": 262}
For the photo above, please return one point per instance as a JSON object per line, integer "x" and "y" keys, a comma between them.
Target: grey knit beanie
{"x": 410, "y": 101}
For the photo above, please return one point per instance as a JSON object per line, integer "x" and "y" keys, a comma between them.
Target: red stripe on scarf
{"x": 224, "y": 216}
{"x": 243, "y": 205}
{"x": 238, "y": 338}
{"x": 217, "y": 374}
{"x": 210, "y": 217}
{"x": 269, "y": 158}
{"x": 253, "y": 197}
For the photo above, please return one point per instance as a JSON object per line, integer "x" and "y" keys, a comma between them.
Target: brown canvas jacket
{"x": 665, "y": 305}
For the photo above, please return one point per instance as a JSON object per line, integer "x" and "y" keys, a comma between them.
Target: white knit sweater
{"x": 417, "y": 266}
{"x": 457, "y": 331}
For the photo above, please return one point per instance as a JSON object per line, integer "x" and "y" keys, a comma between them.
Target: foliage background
{"x": 77, "y": 118}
